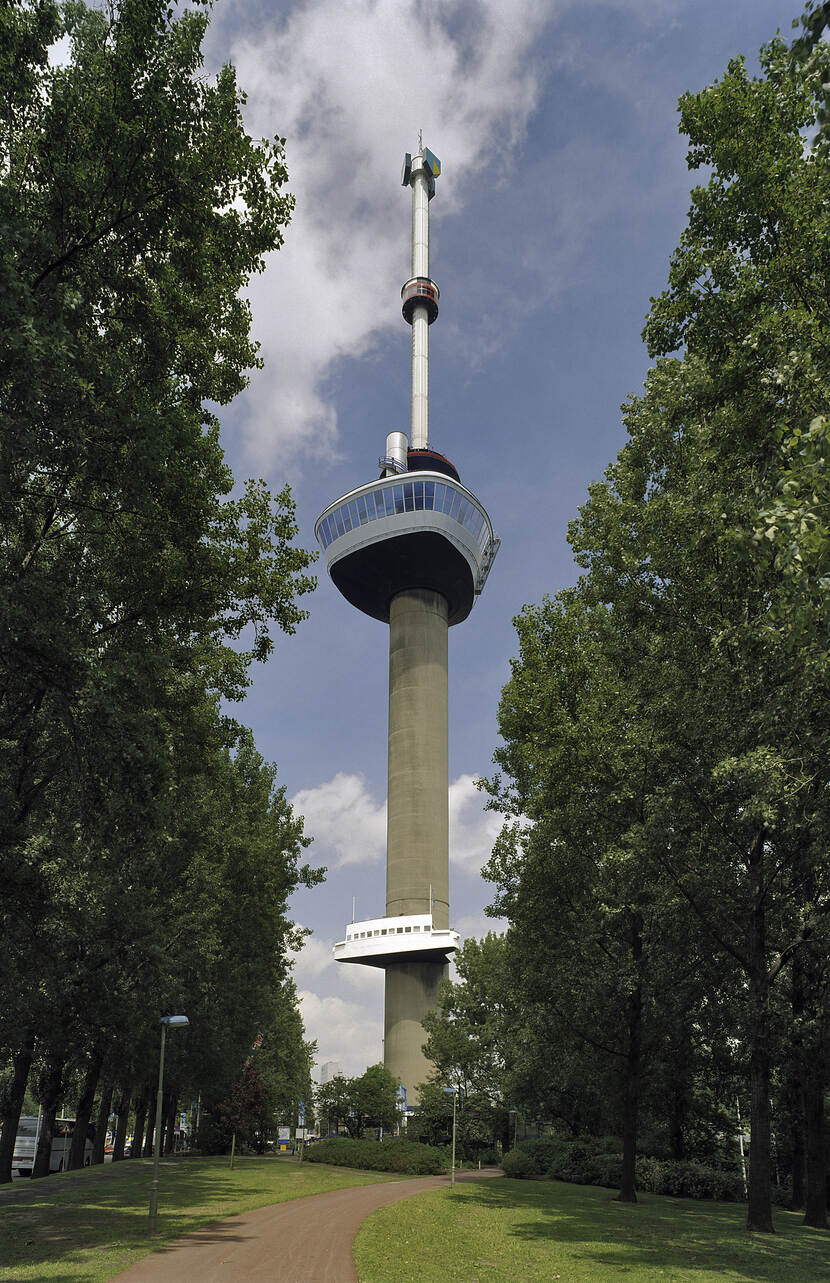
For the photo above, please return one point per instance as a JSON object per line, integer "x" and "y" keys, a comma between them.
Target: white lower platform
{"x": 377, "y": 941}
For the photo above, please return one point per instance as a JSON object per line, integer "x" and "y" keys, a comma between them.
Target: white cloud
{"x": 478, "y": 925}
{"x": 349, "y": 826}
{"x": 349, "y": 85}
{"x": 312, "y": 959}
{"x": 344, "y": 820}
{"x": 473, "y": 830}
{"x": 349, "y": 1032}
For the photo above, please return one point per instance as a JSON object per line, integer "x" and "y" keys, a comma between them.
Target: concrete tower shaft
{"x": 411, "y": 990}
{"x": 417, "y": 833}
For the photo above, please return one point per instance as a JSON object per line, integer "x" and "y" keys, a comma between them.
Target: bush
{"x": 519, "y": 1165}
{"x": 598, "y": 1161}
{"x": 683, "y": 1179}
{"x": 405, "y": 1156}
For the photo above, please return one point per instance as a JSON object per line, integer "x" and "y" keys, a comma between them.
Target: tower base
{"x": 411, "y": 991}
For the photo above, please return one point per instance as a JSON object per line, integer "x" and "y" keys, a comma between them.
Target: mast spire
{"x": 420, "y": 293}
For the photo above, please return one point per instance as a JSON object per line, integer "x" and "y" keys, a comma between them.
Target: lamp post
{"x": 167, "y": 1022}
{"x": 453, "y": 1091}
{"x": 515, "y": 1125}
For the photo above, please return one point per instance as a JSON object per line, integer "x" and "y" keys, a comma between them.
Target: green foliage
{"x": 467, "y": 1031}
{"x": 390, "y": 1155}
{"x": 665, "y": 724}
{"x": 519, "y": 1165}
{"x": 689, "y": 1180}
{"x": 598, "y": 1161}
{"x": 367, "y": 1101}
{"x": 431, "y": 1121}
{"x": 145, "y": 853}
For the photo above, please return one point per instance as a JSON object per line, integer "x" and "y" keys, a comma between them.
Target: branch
{"x": 94, "y": 240}
{"x": 785, "y": 956}
{"x": 733, "y": 952}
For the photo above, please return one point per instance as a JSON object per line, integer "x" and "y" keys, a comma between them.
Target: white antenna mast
{"x": 420, "y": 293}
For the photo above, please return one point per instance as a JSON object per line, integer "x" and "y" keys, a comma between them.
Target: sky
{"x": 563, "y": 192}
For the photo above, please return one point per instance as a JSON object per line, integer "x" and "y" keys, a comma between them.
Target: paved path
{"x": 308, "y": 1240}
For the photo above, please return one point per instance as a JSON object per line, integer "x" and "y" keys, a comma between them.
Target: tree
{"x": 367, "y": 1101}
{"x": 244, "y": 1113}
{"x": 468, "y": 1032}
{"x": 133, "y": 209}
{"x": 714, "y": 700}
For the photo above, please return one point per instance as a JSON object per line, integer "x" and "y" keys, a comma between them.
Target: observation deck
{"x": 415, "y": 529}
{"x": 408, "y": 938}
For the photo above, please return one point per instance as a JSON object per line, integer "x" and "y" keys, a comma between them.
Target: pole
{"x": 233, "y": 1149}
{"x": 452, "y": 1176}
{"x": 154, "y": 1186}
{"x": 419, "y": 420}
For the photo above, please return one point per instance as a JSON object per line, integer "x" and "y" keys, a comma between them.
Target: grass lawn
{"x": 503, "y": 1231}
{"x": 86, "y": 1226}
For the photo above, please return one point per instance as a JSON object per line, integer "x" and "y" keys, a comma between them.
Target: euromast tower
{"x": 412, "y": 549}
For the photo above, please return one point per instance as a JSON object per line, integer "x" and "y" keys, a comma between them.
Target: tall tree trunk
{"x": 759, "y": 1212}
{"x": 102, "y": 1123}
{"x": 795, "y": 1085}
{"x": 171, "y": 1101}
{"x": 815, "y": 1208}
{"x": 83, "y": 1113}
{"x": 138, "y": 1130}
{"x": 49, "y": 1100}
{"x": 122, "y": 1116}
{"x": 151, "y": 1124}
{"x": 631, "y": 1085}
{"x": 815, "y": 1085}
{"x": 682, "y": 1060}
{"x": 799, "y": 1158}
{"x": 13, "y": 1105}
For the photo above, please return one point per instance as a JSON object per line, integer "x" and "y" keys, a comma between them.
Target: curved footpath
{"x": 307, "y": 1240}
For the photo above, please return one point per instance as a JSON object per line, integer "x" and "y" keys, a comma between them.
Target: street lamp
{"x": 452, "y": 1091}
{"x": 167, "y": 1022}
{"x": 515, "y": 1126}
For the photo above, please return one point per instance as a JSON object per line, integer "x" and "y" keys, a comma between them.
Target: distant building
{"x": 331, "y": 1069}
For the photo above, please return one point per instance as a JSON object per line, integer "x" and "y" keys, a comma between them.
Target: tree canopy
{"x": 665, "y": 723}
{"x": 146, "y": 854}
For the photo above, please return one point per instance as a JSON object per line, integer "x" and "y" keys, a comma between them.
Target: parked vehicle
{"x": 25, "y": 1145}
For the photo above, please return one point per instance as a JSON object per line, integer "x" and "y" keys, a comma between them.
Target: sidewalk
{"x": 307, "y": 1240}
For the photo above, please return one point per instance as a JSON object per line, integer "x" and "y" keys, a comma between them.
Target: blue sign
{"x": 301, "y": 1114}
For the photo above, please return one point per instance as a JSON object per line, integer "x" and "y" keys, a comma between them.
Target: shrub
{"x": 683, "y": 1179}
{"x": 519, "y": 1165}
{"x": 405, "y": 1156}
{"x": 598, "y": 1161}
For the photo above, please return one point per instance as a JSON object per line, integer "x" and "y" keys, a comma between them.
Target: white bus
{"x": 25, "y": 1145}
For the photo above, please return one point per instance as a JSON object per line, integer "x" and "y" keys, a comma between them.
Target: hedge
{"x": 597, "y": 1161}
{"x": 405, "y": 1156}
